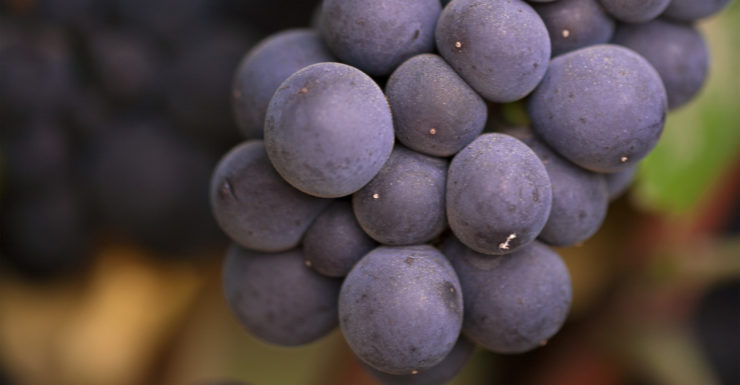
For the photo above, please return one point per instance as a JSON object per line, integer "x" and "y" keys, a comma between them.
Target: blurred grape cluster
{"x": 113, "y": 115}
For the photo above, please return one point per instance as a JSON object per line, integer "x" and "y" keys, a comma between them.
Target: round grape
{"x": 513, "y": 303}
{"x": 574, "y": 24}
{"x": 376, "y": 36}
{"x": 500, "y": 47}
{"x": 400, "y": 309}
{"x": 498, "y": 194}
{"x": 438, "y": 374}
{"x": 405, "y": 203}
{"x": 254, "y": 206}
{"x": 328, "y": 130}
{"x": 635, "y": 11}
{"x": 335, "y": 241}
{"x": 602, "y": 107}
{"x": 677, "y": 51}
{"x": 278, "y": 298}
{"x": 690, "y": 10}
{"x": 267, "y": 65}
{"x": 434, "y": 111}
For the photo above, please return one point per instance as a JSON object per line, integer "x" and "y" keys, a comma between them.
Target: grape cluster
{"x": 109, "y": 130}
{"x": 407, "y": 214}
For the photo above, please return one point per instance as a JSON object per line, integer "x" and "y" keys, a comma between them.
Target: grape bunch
{"x": 379, "y": 190}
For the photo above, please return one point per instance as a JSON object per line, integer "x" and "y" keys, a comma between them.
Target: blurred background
{"x": 112, "y": 116}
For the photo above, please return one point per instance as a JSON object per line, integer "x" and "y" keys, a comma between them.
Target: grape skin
{"x": 617, "y": 183}
{"x": 376, "y": 36}
{"x": 500, "y": 47}
{"x": 328, "y": 130}
{"x": 635, "y": 11}
{"x": 677, "y": 51}
{"x": 400, "y": 308}
{"x": 438, "y": 374}
{"x": 335, "y": 241}
{"x": 579, "y": 200}
{"x": 690, "y": 10}
{"x": 405, "y": 203}
{"x": 254, "y": 206}
{"x": 579, "y": 197}
{"x": 278, "y": 298}
{"x": 513, "y": 303}
{"x": 574, "y": 24}
{"x": 602, "y": 107}
{"x": 265, "y": 67}
{"x": 434, "y": 111}
{"x": 498, "y": 194}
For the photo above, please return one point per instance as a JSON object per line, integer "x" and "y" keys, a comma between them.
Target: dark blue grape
{"x": 79, "y": 13}
{"x": 37, "y": 74}
{"x": 500, "y": 47}
{"x": 434, "y": 111}
{"x": 513, "y": 303}
{"x": 127, "y": 65}
{"x": 617, "y": 183}
{"x": 677, "y": 51}
{"x": 254, "y": 206}
{"x": 167, "y": 19}
{"x": 377, "y": 36}
{"x": 602, "y": 107}
{"x": 579, "y": 198}
{"x": 270, "y": 16}
{"x": 574, "y": 24}
{"x": 498, "y": 194}
{"x": 37, "y": 154}
{"x": 151, "y": 185}
{"x": 45, "y": 232}
{"x": 267, "y": 65}
{"x": 690, "y": 10}
{"x": 635, "y": 11}
{"x": 200, "y": 103}
{"x": 438, "y": 374}
{"x": 278, "y": 298}
{"x": 335, "y": 241}
{"x": 400, "y": 308}
{"x": 328, "y": 130}
{"x": 405, "y": 203}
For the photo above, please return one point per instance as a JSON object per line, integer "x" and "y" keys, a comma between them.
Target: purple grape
{"x": 328, "y": 130}
{"x": 400, "y": 309}
{"x": 690, "y": 10}
{"x": 500, "y": 47}
{"x": 602, "y": 107}
{"x": 617, "y": 183}
{"x": 405, "y": 203}
{"x": 254, "y": 206}
{"x": 498, "y": 194}
{"x": 267, "y": 65}
{"x": 677, "y": 51}
{"x": 377, "y": 36}
{"x": 513, "y": 303}
{"x": 438, "y": 374}
{"x": 278, "y": 298}
{"x": 335, "y": 241}
{"x": 574, "y": 24}
{"x": 434, "y": 111}
{"x": 635, "y": 11}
